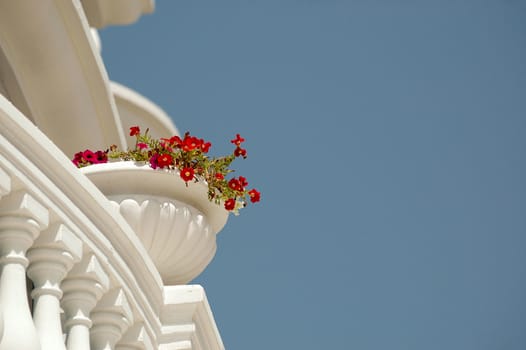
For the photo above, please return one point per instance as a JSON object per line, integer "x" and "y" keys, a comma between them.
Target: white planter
{"x": 177, "y": 224}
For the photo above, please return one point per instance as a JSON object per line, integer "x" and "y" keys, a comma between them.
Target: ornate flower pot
{"x": 176, "y": 224}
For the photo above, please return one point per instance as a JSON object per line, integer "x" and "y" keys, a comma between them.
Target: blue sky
{"x": 388, "y": 140}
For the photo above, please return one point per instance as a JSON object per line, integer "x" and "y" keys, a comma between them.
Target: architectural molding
{"x": 59, "y": 73}
{"x": 188, "y": 320}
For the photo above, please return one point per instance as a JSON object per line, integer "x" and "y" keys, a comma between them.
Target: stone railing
{"x": 92, "y": 284}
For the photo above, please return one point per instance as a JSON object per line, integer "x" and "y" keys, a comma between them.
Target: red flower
{"x": 243, "y": 182}
{"x": 164, "y": 160}
{"x": 255, "y": 196}
{"x": 188, "y": 155}
{"x": 230, "y": 204}
{"x": 205, "y": 146}
{"x": 166, "y": 143}
{"x": 134, "y": 130}
{"x": 240, "y": 152}
{"x": 234, "y": 184}
{"x": 238, "y": 140}
{"x": 190, "y": 143}
{"x": 176, "y": 140}
{"x": 187, "y": 174}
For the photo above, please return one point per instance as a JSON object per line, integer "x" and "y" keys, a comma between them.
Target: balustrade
{"x": 52, "y": 258}
{"x": 59, "y": 232}
{"x": 68, "y": 276}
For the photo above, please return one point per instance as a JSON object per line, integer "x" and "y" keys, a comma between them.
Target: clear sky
{"x": 388, "y": 140}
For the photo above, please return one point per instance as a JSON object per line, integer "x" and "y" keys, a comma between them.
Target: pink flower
{"x": 89, "y": 156}
{"x": 77, "y": 159}
{"x": 142, "y": 145}
{"x": 102, "y": 157}
{"x": 153, "y": 161}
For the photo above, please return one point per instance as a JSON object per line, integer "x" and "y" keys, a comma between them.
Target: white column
{"x": 82, "y": 288}
{"x": 52, "y": 256}
{"x": 136, "y": 338}
{"x": 21, "y": 220}
{"x": 111, "y": 318}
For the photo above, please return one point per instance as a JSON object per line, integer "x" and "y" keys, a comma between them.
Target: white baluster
{"x": 136, "y": 338}
{"x": 82, "y": 288}
{"x": 21, "y": 220}
{"x": 52, "y": 256}
{"x": 111, "y": 318}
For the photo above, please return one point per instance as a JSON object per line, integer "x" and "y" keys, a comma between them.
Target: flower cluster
{"x": 187, "y": 155}
{"x": 89, "y": 157}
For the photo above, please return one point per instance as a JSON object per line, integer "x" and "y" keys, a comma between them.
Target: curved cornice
{"x": 49, "y": 47}
{"x": 135, "y": 109}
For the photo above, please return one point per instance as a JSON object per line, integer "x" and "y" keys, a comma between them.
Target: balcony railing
{"x": 94, "y": 285}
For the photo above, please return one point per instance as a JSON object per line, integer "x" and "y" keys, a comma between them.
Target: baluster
{"x": 83, "y": 287}
{"x": 52, "y": 256}
{"x": 136, "y": 338}
{"x": 111, "y": 318}
{"x": 21, "y": 220}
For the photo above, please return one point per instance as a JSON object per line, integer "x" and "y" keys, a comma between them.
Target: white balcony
{"x": 94, "y": 284}
{"x": 74, "y": 273}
